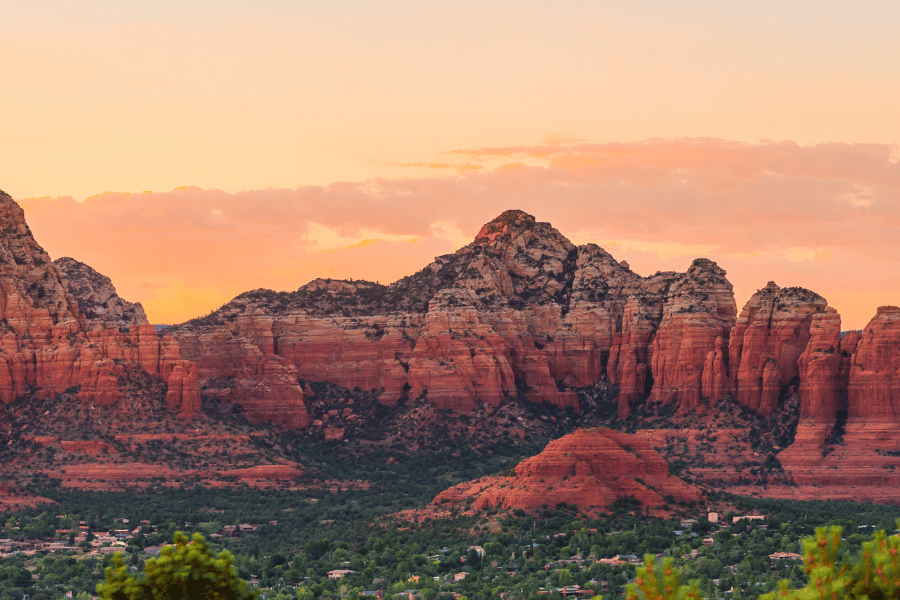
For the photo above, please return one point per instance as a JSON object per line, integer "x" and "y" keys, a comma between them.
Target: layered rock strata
{"x": 874, "y": 381}
{"x": 519, "y": 311}
{"x": 47, "y": 343}
{"x": 768, "y": 339}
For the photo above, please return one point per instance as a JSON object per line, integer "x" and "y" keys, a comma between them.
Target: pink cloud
{"x": 826, "y": 216}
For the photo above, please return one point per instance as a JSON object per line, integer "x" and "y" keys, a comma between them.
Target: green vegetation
{"x": 184, "y": 571}
{"x": 297, "y": 538}
{"x": 874, "y": 573}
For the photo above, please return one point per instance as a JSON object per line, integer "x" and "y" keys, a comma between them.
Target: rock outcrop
{"x": 519, "y": 311}
{"x": 874, "y": 382}
{"x": 699, "y": 312}
{"x": 591, "y": 468}
{"x": 823, "y": 381}
{"x": 771, "y": 333}
{"x": 97, "y": 298}
{"x": 47, "y": 343}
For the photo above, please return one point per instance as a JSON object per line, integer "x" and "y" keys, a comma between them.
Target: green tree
{"x": 185, "y": 570}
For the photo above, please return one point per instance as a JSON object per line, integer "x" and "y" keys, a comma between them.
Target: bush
{"x": 184, "y": 571}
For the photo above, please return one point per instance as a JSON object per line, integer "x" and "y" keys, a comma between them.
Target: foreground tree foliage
{"x": 185, "y": 570}
{"x": 873, "y": 575}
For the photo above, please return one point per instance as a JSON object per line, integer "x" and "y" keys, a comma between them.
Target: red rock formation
{"x": 629, "y": 359}
{"x": 699, "y": 310}
{"x": 46, "y": 342}
{"x": 715, "y": 381}
{"x": 821, "y": 384}
{"x": 590, "y": 468}
{"x": 182, "y": 396}
{"x": 519, "y": 310}
{"x": 771, "y": 333}
{"x": 874, "y": 385}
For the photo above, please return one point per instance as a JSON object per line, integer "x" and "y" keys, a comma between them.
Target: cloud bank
{"x": 825, "y": 216}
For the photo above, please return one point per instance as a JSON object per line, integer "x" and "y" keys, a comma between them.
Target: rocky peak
{"x": 96, "y": 296}
{"x": 515, "y": 231}
{"x": 874, "y": 387}
{"x": 520, "y": 259}
{"x": 601, "y": 278}
{"x": 29, "y": 280}
{"x": 703, "y": 289}
{"x": 509, "y": 220}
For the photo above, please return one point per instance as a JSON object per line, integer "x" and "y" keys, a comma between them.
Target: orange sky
{"x": 310, "y": 127}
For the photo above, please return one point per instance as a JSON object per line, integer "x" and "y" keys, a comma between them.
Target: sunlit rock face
{"x": 520, "y": 311}
{"x": 50, "y": 344}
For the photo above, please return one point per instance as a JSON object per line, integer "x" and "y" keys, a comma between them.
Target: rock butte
{"x": 589, "y": 468}
{"x": 519, "y": 312}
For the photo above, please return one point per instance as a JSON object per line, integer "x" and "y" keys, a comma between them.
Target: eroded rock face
{"x": 823, "y": 385}
{"x": 699, "y": 310}
{"x": 771, "y": 333}
{"x": 47, "y": 342}
{"x": 520, "y": 310}
{"x": 96, "y": 296}
{"x": 874, "y": 385}
{"x": 591, "y": 468}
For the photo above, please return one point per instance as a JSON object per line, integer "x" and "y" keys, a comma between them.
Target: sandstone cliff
{"x": 519, "y": 312}
{"x": 773, "y": 330}
{"x": 47, "y": 343}
{"x": 874, "y": 385}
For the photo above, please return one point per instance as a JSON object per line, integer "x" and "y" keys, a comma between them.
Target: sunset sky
{"x": 195, "y": 150}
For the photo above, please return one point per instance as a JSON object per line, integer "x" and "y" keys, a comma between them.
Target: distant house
{"x": 460, "y": 576}
{"x": 749, "y": 518}
{"x": 708, "y": 542}
{"x": 688, "y": 523}
{"x": 785, "y": 556}
{"x": 574, "y": 590}
{"x": 338, "y": 573}
{"x": 245, "y": 528}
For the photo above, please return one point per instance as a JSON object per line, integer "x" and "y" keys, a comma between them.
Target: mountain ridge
{"x": 520, "y": 318}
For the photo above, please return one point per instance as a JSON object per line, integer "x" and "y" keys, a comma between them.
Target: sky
{"x": 195, "y": 150}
